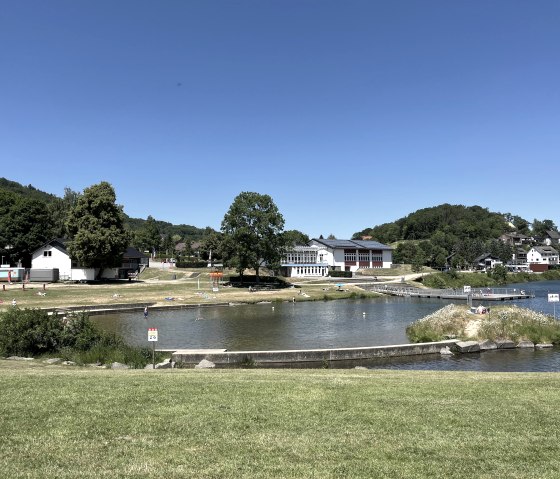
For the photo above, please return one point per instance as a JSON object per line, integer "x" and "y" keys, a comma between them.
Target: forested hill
{"x": 60, "y": 206}
{"x": 26, "y": 191}
{"x": 455, "y": 220}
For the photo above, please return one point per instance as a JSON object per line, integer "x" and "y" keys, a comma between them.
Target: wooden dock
{"x": 476, "y": 294}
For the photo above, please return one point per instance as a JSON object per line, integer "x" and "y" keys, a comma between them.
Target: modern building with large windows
{"x": 321, "y": 256}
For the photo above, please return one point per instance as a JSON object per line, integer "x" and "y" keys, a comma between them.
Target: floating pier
{"x": 476, "y": 294}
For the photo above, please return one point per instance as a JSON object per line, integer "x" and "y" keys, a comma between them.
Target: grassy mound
{"x": 502, "y": 322}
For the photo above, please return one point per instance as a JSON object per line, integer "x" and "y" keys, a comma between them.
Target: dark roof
{"x": 545, "y": 249}
{"x": 553, "y": 234}
{"x": 58, "y": 243}
{"x": 485, "y": 256}
{"x": 133, "y": 253}
{"x": 351, "y": 244}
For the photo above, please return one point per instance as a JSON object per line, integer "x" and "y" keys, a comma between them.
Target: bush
{"x": 33, "y": 332}
{"x": 340, "y": 274}
{"x": 191, "y": 264}
{"x": 29, "y": 332}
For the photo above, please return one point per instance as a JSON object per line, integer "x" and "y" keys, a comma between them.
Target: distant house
{"x": 322, "y": 255}
{"x": 54, "y": 255}
{"x": 487, "y": 261}
{"x": 515, "y": 239}
{"x": 519, "y": 256}
{"x": 541, "y": 257}
{"x": 551, "y": 238}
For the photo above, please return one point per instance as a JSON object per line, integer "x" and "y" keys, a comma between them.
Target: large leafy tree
{"x": 295, "y": 237}
{"x": 540, "y": 228}
{"x": 149, "y": 236}
{"x": 59, "y": 210}
{"x": 98, "y": 238}
{"x": 25, "y": 224}
{"x": 252, "y": 233}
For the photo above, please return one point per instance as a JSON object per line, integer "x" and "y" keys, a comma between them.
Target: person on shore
{"x": 146, "y": 312}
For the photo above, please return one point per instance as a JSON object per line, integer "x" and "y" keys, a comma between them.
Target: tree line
{"x": 251, "y": 235}
{"x": 453, "y": 235}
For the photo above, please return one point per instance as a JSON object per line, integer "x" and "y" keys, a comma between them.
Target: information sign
{"x": 466, "y": 289}
{"x": 553, "y": 297}
{"x": 152, "y": 334}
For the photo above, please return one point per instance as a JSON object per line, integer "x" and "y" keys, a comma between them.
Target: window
{"x": 47, "y": 253}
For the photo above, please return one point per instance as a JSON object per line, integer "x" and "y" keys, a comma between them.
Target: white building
{"x": 321, "y": 255}
{"x": 304, "y": 261}
{"x": 542, "y": 255}
{"x": 53, "y": 255}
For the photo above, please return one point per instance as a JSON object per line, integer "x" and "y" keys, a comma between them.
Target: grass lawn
{"x": 185, "y": 289}
{"x": 85, "y": 423}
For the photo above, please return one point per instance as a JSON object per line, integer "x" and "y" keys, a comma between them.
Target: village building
{"x": 321, "y": 256}
{"x": 540, "y": 258}
{"x": 53, "y": 256}
{"x": 486, "y": 262}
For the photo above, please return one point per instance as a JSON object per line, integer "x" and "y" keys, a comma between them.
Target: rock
{"x": 446, "y": 351}
{"x": 166, "y": 364}
{"x": 361, "y": 368}
{"x": 205, "y": 364}
{"x": 525, "y": 344}
{"x": 487, "y": 345}
{"x": 543, "y": 345}
{"x": 52, "y": 361}
{"x": 467, "y": 347}
{"x": 68, "y": 363}
{"x": 505, "y": 344}
{"x": 19, "y": 358}
{"x": 116, "y": 365}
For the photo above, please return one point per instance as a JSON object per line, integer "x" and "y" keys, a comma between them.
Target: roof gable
{"x": 351, "y": 244}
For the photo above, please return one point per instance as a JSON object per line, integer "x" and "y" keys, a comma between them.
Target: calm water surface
{"x": 327, "y": 324}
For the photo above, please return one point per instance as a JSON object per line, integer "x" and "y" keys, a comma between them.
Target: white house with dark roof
{"x": 352, "y": 255}
{"x": 53, "y": 255}
{"x": 320, "y": 256}
{"x": 542, "y": 255}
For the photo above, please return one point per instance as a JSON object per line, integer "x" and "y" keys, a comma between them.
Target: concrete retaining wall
{"x": 232, "y": 358}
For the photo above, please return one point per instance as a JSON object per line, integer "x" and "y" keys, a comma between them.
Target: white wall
{"x": 57, "y": 260}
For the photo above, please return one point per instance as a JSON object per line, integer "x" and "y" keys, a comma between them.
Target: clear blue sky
{"x": 349, "y": 114}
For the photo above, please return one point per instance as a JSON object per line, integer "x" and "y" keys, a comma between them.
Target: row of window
{"x": 311, "y": 271}
{"x": 351, "y": 257}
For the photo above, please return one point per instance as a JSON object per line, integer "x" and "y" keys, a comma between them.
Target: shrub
{"x": 340, "y": 274}
{"x": 32, "y": 332}
{"x": 29, "y": 332}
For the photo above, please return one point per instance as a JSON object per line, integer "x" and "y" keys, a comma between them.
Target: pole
{"x": 154, "y": 354}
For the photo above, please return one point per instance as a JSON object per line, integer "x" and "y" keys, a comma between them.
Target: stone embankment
{"x": 478, "y": 346}
{"x": 224, "y": 358}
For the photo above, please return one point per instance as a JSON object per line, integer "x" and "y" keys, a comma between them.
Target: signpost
{"x": 554, "y": 298}
{"x": 153, "y": 337}
{"x": 467, "y": 291}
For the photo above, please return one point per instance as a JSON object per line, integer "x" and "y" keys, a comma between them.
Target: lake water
{"x": 327, "y": 324}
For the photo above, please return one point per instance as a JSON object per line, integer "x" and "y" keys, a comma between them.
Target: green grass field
{"x": 85, "y": 423}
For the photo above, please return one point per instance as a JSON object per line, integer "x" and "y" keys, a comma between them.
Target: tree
{"x": 211, "y": 247}
{"x": 98, "y": 238}
{"x": 252, "y": 230}
{"x": 25, "y": 224}
{"x": 540, "y": 228}
{"x": 148, "y": 238}
{"x": 295, "y": 237}
{"x": 60, "y": 209}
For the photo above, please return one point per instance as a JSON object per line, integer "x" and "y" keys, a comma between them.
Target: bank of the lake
{"x": 65, "y": 422}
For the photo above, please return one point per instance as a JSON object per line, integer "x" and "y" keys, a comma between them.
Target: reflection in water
{"x": 325, "y": 324}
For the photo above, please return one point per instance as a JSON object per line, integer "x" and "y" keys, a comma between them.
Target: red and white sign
{"x": 152, "y": 334}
